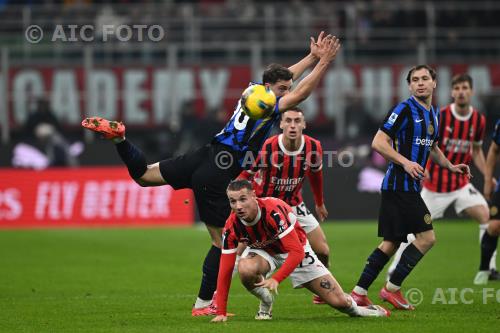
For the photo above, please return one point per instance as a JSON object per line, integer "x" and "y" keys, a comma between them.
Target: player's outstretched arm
{"x": 299, "y": 68}
{"x": 438, "y": 157}
{"x": 382, "y": 144}
{"x": 327, "y": 51}
{"x": 491, "y": 159}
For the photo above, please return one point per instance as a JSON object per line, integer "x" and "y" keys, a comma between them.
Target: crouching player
{"x": 274, "y": 241}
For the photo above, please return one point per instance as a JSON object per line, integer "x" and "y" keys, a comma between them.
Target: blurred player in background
{"x": 205, "y": 170}
{"x": 406, "y": 138}
{"x": 489, "y": 241}
{"x": 461, "y": 133}
{"x": 274, "y": 241}
{"x": 280, "y": 170}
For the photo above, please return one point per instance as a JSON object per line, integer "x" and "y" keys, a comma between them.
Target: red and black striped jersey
{"x": 457, "y": 134}
{"x": 274, "y": 221}
{"x": 280, "y": 173}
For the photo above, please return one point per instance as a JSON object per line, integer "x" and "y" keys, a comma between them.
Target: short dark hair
{"x": 239, "y": 184}
{"x": 459, "y": 78}
{"x": 431, "y": 70}
{"x": 295, "y": 108}
{"x": 276, "y": 72}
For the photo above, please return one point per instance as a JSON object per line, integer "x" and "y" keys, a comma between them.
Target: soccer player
{"x": 412, "y": 128}
{"x": 205, "y": 170}
{"x": 274, "y": 241}
{"x": 284, "y": 162}
{"x": 489, "y": 241}
{"x": 461, "y": 133}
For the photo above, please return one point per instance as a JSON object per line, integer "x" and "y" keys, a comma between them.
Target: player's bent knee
{"x": 247, "y": 269}
{"x": 495, "y": 227}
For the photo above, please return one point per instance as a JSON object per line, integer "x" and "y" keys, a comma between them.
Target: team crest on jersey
{"x": 430, "y": 129}
{"x": 427, "y": 218}
{"x": 493, "y": 210}
{"x": 392, "y": 118}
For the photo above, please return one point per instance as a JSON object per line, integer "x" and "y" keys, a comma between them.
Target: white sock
{"x": 359, "y": 311}
{"x": 493, "y": 261}
{"x": 482, "y": 230}
{"x": 201, "y": 303}
{"x": 392, "y": 287}
{"x": 266, "y": 298}
{"x": 360, "y": 291}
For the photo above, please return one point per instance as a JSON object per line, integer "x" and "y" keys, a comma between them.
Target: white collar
{"x": 290, "y": 153}
{"x": 254, "y": 222}
{"x": 458, "y": 116}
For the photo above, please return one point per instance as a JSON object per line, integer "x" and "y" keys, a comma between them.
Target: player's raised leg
{"x": 135, "y": 160}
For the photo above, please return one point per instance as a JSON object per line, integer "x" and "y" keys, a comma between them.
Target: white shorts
{"x": 310, "y": 268}
{"x": 306, "y": 220}
{"x": 466, "y": 197}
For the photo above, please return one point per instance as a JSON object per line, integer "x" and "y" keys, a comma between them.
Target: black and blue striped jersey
{"x": 243, "y": 134}
{"x": 413, "y": 131}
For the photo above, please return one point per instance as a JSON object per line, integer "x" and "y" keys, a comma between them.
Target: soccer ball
{"x": 258, "y": 101}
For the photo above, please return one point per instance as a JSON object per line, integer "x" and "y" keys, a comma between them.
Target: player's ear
{"x": 435, "y": 84}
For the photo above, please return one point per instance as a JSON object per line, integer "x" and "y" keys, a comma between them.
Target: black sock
{"x": 488, "y": 246}
{"x": 133, "y": 158}
{"x": 210, "y": 272}
{"x": 375, "y": 263}
{"x": 409, "y": 259}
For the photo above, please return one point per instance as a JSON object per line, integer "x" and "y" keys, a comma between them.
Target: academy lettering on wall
{"x": 153, "y": 96}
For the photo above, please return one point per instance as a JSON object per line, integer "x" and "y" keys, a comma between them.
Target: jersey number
{"x": 308, "y": 260}
{"x": 241, "y": 119}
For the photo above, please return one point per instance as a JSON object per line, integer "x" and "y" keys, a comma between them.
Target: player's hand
{"x": 321, "y": 212}
{"x": 270, "y": 284}
{"x": 488, "y": 188}
{"x": 316, "y": 44}
{"x": 219, "y": 319}
{"x": 328, "y": 49}
{"x": 415, "y": 170}
{"x": 462, "y": 169}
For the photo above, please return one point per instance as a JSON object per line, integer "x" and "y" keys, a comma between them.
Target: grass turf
{"x": 145, "y": 280}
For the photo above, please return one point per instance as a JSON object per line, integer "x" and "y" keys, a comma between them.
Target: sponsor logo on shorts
{"x": 427, "y": 218}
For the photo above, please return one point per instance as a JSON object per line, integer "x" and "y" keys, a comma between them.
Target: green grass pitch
{"x": 145, "y": 280}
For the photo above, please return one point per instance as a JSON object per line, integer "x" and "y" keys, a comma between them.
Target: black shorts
{"x": 207, "y": 171}
{"x": 495, "y": 206}
{"x": 402, "y": 213}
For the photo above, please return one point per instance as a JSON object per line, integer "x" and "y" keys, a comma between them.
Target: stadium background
{"x": 176, "y": 93}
